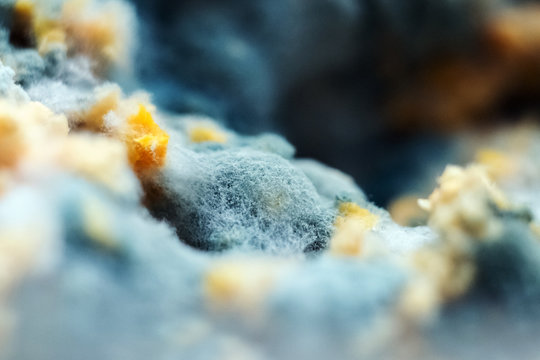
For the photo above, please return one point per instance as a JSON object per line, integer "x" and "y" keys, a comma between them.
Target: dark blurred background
{"x": 376, "y": 88}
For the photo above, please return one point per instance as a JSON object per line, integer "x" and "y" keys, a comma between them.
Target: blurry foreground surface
{"x": 169, "y": 224}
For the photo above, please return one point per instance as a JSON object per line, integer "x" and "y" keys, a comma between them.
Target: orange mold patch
{"x": 146, "y": 142}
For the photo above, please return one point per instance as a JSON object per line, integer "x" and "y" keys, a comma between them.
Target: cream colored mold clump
{"x": 37, "y": 141}
{"x": 103, "y": 31}
{"x": 463, "y": 210}
{"x": 462, "y": 206}
{"x": 352, "y": 224}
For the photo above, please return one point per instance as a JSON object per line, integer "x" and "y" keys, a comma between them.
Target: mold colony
{"x": 127, "y": 231}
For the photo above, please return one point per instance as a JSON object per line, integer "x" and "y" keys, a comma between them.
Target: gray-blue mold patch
{"x": 240, "y": 199}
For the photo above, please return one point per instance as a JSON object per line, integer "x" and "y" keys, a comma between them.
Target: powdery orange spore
{"x": 146, "y": 142}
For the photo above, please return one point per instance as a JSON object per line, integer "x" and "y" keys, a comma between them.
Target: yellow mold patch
{"x": 242, "y": 284}
{"x": 224, "y": 282}
{"x": 460, "y": 206}
{"x": 100, "y": 30}
{"x": 108, "y": 98}
{"x": 146, "y": 141}
{"x": 535, "y": 228}
{"x": 98, "y": 224}
{"x": 100, "y": 159}
{"x": 351, "y": 211}
{"x": 406, "y": 212}
{"x": 11, "y": 141}
{"x": 32, "y": 26}
{"x": 51, "y": 38}
{"x": 348, "y": 239}
{"x": 200, "y": 133}
{"x": 24, "y": 8}
{"x": 352, "y": 223}
{"x": 497, "y": 163}
{"x": 26, "y": 126}
{"x": 93, "y": 34}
